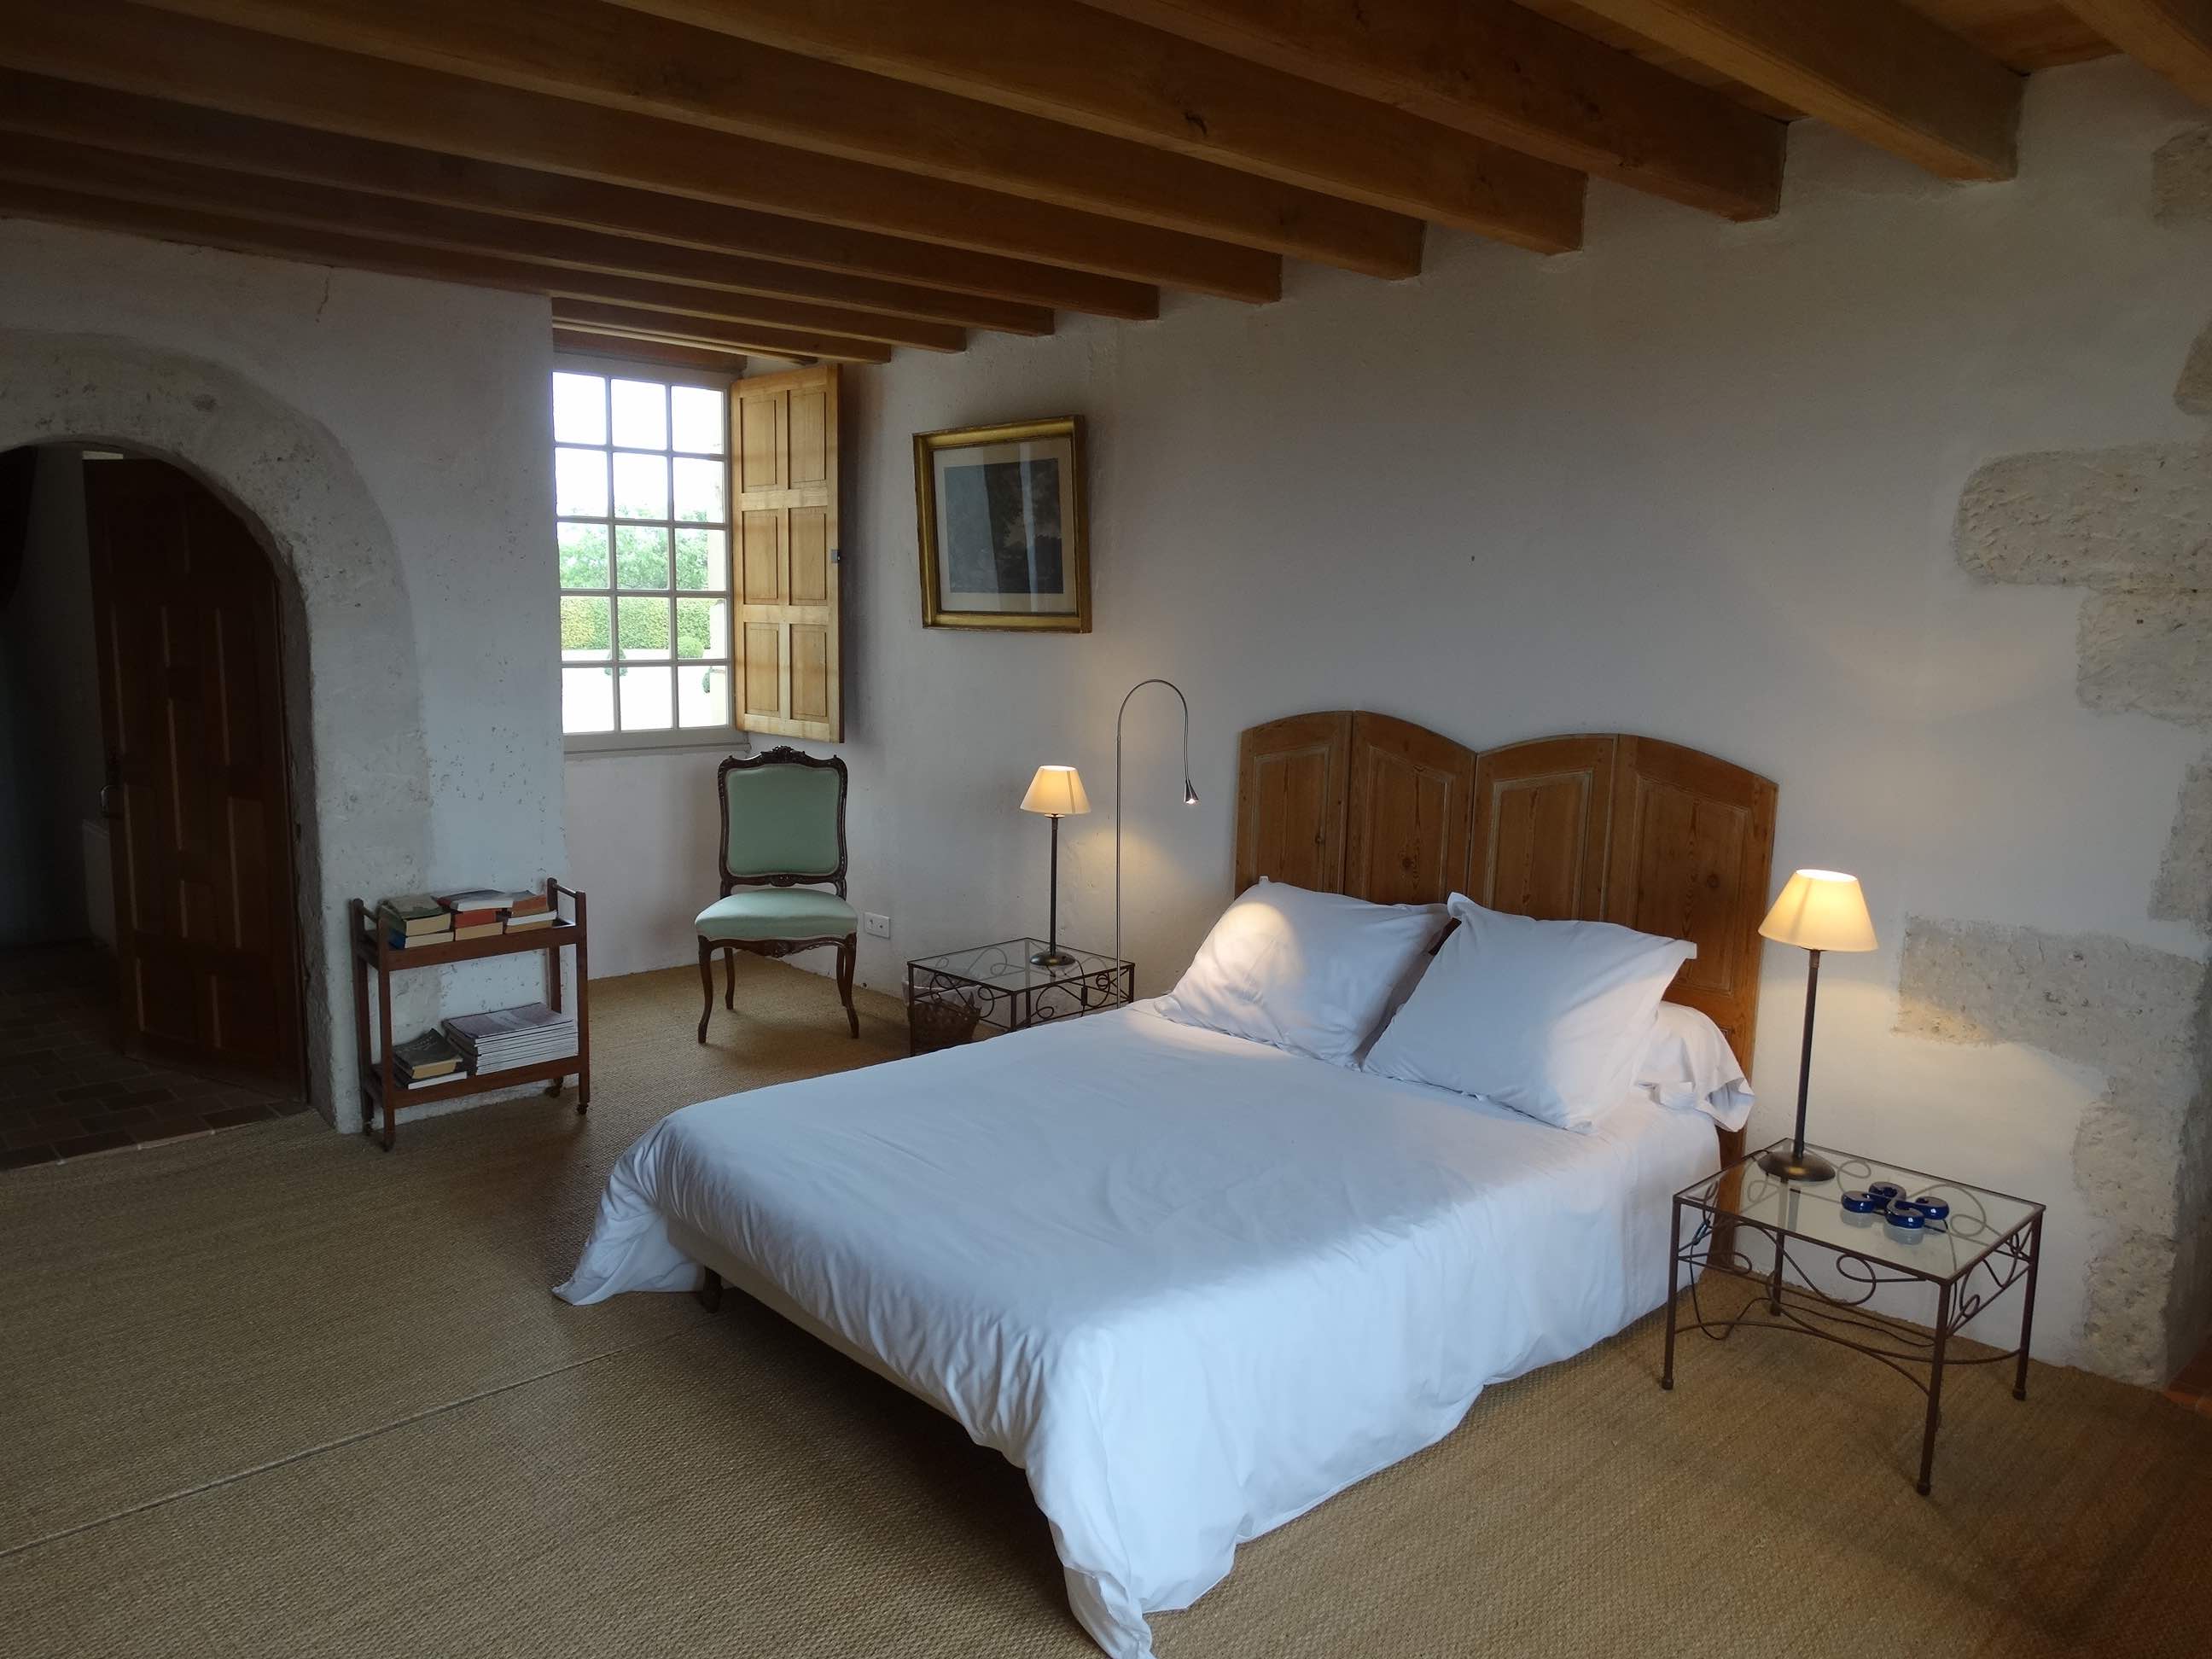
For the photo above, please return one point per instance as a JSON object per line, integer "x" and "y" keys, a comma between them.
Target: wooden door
{"x": 191, "y": 707}
{"x": 783, "y": 448}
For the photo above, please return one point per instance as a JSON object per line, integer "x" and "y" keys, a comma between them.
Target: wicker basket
{"x": 940, "y": 1022}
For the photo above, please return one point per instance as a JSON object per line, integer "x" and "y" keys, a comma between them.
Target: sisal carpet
{"x": 276, "y": 1393}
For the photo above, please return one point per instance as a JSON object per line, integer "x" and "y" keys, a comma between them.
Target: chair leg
{"x": 706, "y": 984}
{"x": 729, "y": 979}
{"x": 849, "y": 952}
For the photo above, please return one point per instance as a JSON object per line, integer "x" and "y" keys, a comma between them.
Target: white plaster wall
{"x": 435, "y": 396}
{"x": 1696, "y": 482}
{"x": 50, "y": 683}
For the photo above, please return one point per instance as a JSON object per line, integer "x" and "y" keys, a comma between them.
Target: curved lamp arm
{"x": 1189, "y": 793}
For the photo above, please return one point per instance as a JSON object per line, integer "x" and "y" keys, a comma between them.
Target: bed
{"x": 1194, "y": 1285}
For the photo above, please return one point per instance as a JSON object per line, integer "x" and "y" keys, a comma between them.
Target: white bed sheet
{"x": 1191, "y": 1284}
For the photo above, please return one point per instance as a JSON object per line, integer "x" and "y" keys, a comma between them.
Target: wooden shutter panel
{"x": 783, "y": 464}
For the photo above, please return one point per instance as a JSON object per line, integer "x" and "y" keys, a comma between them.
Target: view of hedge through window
{"x": 641, "y": 489}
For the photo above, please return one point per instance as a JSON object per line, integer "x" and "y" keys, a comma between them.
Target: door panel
{"x": 191, "y": 685}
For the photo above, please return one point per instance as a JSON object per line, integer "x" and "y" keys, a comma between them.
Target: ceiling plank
{"x": 1505, "y": 73}
{"x": 131, "y": 48}
{"x": 2171, "y": 37}
{"x": 242, "y": 235}
{"x": 1082, "y": 68}
{"x": 573, "y": 257}
{"x": 627, "y": 350}
{"x": 154, "y": 127}
{"x": 1877, "y": 69}
{"x": 647, "y": 323}
{"x": 602, "y": 55}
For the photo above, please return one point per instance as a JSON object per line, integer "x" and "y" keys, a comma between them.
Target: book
{"x": 412, "y": 913}
{"x": 416, "y": 941}
{"x": 475, "y": 918}
{"x": 420, "y": 1054}
{"x": 523, "y": 924}
{"x": 505, "y": 1038}
{"x": 529, "y": 904}
{"x": 478, "y": 930}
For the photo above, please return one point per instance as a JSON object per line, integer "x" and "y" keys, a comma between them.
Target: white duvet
{"x": 1193, "y": 1286}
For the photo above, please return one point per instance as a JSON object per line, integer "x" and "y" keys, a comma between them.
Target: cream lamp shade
{"x": 1821, "y": 910}
{"x": 1057, "y": 792}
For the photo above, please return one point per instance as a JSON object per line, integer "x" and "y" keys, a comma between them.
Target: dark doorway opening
{"x": 147, "y": 910}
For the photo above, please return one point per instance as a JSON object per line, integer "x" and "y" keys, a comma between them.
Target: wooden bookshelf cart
{"x": 381, "y": 1095}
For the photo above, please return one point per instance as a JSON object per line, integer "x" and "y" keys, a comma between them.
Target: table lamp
{"x": 1056, "y": 792}
{"x": 1817, "y": 911}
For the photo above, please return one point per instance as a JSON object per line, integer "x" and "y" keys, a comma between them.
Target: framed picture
{"x": 1001, "y": 524}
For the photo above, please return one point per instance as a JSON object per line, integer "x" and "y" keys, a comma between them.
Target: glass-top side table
{"x": 949, "y": 995}
{"x": 1988, "y": 1242}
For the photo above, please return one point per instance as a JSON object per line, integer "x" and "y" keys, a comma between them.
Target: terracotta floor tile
{"x": 230, "y": 1116}
{"x": 23, "y": 1157}
{"x": 157, "y": 1130}
{"x": 86, "y": 1145}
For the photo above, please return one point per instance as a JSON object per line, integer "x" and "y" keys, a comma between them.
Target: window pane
{"x": 699, "y": 491}
{"x": 641, "y": 487}
{"x": 579, "y": 484}
{"x": 702, "y": 696}
{"x": 583, "y": 556}
{"x": 583, "y": 630}
{"x": 644, "y": 628}
{"x": 640, "y": 556}
{"x": 640, "y": 415}
{"x": 703, "y": 561}
{"x": 646, "y": 700}
{"x": 579, "y": 408}
{"x": 698, "y": 420}
{"x": 587, "y": 700}
{"x": 702, "y": 629}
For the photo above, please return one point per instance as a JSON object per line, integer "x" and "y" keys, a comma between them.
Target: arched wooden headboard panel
{"x": 1600, "y": 827}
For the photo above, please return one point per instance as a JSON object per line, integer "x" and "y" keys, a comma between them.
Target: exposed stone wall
{"x": 2133, "y": 1014}
{"x": 2132, "y": 525}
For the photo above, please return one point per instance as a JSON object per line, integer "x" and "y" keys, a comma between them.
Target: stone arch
{"x": 360, "y": 764}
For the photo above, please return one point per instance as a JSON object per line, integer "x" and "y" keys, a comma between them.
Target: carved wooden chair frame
{"x": 847, "y": 945}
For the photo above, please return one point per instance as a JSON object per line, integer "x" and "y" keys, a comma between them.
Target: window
{"x": 640, "y": 486}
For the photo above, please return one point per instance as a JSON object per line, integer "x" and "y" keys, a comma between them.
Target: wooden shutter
{"x": 1406, "y": 826}
{"x": 1291, "y": 777}
{"x": 1543, "y": 811}
{"x": 783, "y": 466}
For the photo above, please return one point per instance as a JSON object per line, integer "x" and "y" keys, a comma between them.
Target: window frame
{"x": 730, "y": 734}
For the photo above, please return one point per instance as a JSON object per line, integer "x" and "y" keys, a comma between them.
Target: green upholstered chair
{"x": 783, "y": 841}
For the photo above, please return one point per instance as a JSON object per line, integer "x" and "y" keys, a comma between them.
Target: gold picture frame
{"x": 999, "y": 511}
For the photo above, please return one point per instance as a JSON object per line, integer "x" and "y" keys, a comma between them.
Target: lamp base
{"x": 1051, "y": 959}
{"x": 1809, "y": 1170}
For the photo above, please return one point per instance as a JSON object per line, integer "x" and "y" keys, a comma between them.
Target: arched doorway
{"x": 356, "y": 751}
{"x": 149, "y": 774}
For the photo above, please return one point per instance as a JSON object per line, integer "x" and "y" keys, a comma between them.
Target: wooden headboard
{"x": 1598, "y": 827}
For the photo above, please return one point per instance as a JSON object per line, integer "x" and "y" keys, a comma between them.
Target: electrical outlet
{"x": 880, "y": 925}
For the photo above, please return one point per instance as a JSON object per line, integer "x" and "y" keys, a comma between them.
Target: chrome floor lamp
{"x": 1189, "y": 793}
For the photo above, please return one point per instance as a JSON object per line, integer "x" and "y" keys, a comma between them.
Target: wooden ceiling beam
{"x": 1082, "y": 68}
{"x": 1876, "y": 68}
{"x": 573, "y": 258}
{"x": 130, "y": 48}
{"x": 2170, "y": 36}
{"x": 245, "y": 235}
{"x": 643, "y": 323}
{"x": 1508, "y": 73}
{"x": 154, "y": 127}
{"x": 604, "y": 56}
{"x": 627, "y": 350}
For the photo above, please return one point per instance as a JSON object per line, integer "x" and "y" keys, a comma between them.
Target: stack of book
{"x": 425, "y": 1061}
{"x": 484, "y": 910}
{"x": 413, "y": 920}
{"x": 508, "y": 1038}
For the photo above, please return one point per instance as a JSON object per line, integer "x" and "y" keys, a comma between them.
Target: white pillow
{"x": 1688, "y": 1066}
{"x": 1546, "y": 1017}
{"x": 1310, "y": 972}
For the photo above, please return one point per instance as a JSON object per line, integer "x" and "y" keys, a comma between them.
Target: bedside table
{"x": 1989, "y": 1241}
{"x": 949, "y": 995}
